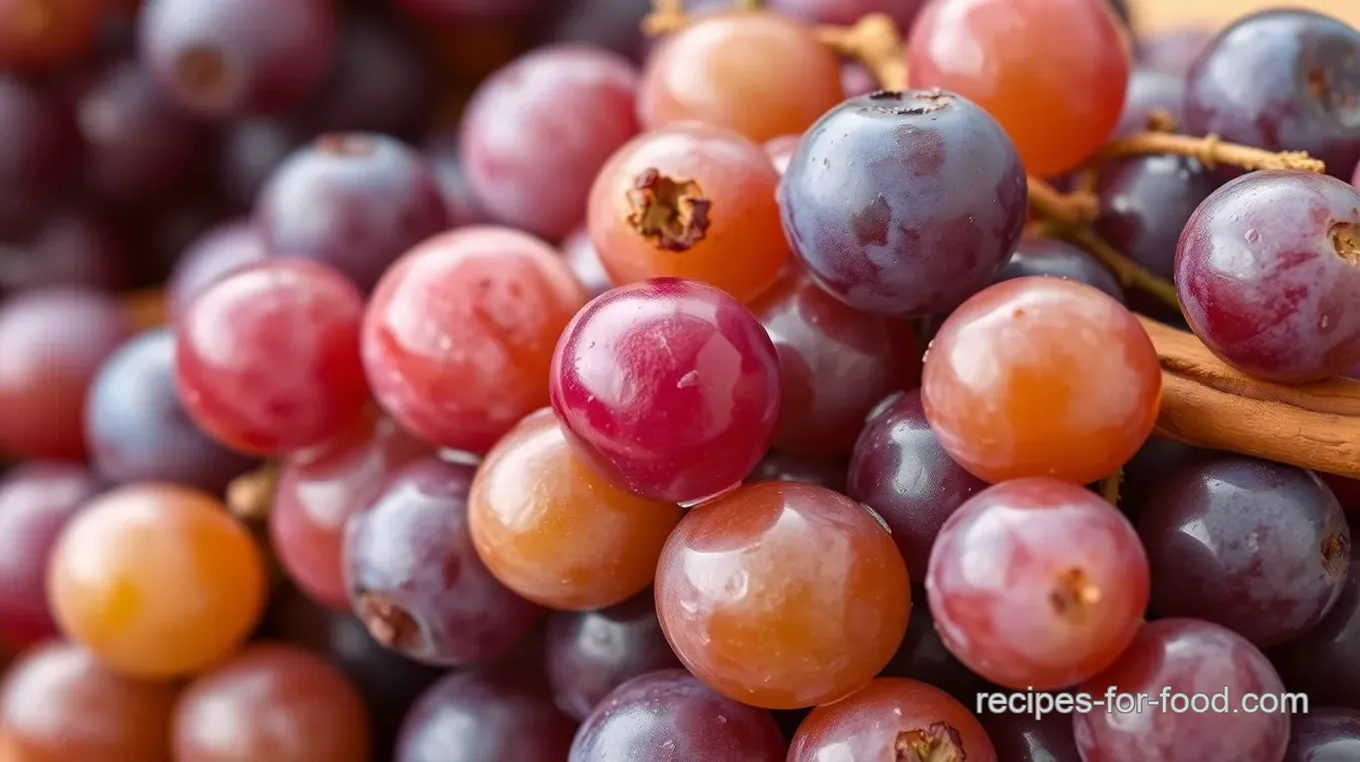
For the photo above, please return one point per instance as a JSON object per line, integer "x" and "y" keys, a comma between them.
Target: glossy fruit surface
{"x": 1266, "y": 269}
{"x": 836, "y": 364}
{"x": 459, "y": 335}
{"x": 1053, "y": 72}
{"x": 1325, "y": 661}
{"x": 415, "y": 579}
{"x": 1187, "y": 657}
{"x": 751, "y": 618}
{"x": 1145, "y": 203}
{"x": 1327, "y": 733}
{"x": 1035, "y": 255}
{"x": 156, "y": 580}
{"x": 271, "y": 703}
{"x": 668, "y": 388}
{"x": 533, "y": 501}
{"x": 760, "y": 74}
{"x": 900, "y": 471}
{"x": 1282, "y": 80}
{"x": 931, "y": 201}
{"x": 1041, "y": 377}
{"x": 893, "y": 718}
{"x": 222, "y": 250}
{"x": 1021, "y": 738}
{"x": 1064, "y": 596}
{"x": 60, "y": 704}
{"x": 537, "y": 132}
{"x": 669, "y": 716}
{"x": 690, "y": 201}
{"x": 267, "y": 358}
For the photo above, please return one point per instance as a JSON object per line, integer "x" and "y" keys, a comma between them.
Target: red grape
{"x": 43, "y": 33}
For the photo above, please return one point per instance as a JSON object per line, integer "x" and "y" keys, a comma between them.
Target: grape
{"x": 893, "y": 718}
{"x": 759, "y": 74}
{"x": 251, "y": 149}
{"x": 781, "y": 151}
{"x": 847, "y": 12}
{"x": 1188, "y": 657}
{"x": 39, "y": 148}
{"x": 379, "y": 82}
{"x": 217, "y": 253}
{"x": 1151, "y": 91}
{"x": 1064, "y": 596}
{"x": 1021, "y": 738}
{"x": 55, "y": 340}
{"x": 1057, "y": 259}
{"x": 533, "y": 504}
{"x": 267, "y": 358}
{"x": 475, "y": 716}
{"x": 137, "y": 430}
{"x": 669, "y": 716}
{"x": 279, "y": 704}
{"x": 1174, "y": 50}
{"x": 42, "y": 33}
{"x": 900, "y": 471}
{"x": 1267, "y": 270}
{"x": 462, "y": 11}
{"x": 1004, "y": 364}
{"x": 415, "y": 579}
{"x": 237, "y": 57}
{"x": 584, "y": 262}
{"x": 669, "y": 389}
{"x": 1145, "y": 204}
{"x": 611, "y": 24}
{"x": 77, "y": 247}
{"x": 60, "y": 703}
{"x": 459, "y": 201}
{"x": 1052, "y": 72}
{"x": 1258, "y": 547}
{"x": 689, "y": 201}
{"x": 459, "y": 335}
{"x": 37, "y": 500}
{"x": 1328, "y": 734}
{"x": 931, "y": 201}
{"x": 590, "y": 653}
{"x": 924, "y": 657}
{"x": 354, "y": 201}
{"x": 1157, "y": 460}
{"x": 836, "y": 364}
{"x": 750, "y": 616}
{"x": 157, "y": 580}
{"x": 1325, "y": 661}
{"x": 1281, "y": 80}
{"x": 778, "y": 466}
{"x": 537, "y": 132}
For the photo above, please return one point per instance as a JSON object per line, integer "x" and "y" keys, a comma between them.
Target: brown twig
{"x": 876, "y": 43}
{"x": 1066, "y": 208}
{"x": 1210, "y": 150}
{"x": 251, "y": 496}
{"x": 1161, "y": 120}
{"x": 1129, "y": 273}
{"x": 1109, "y": 487}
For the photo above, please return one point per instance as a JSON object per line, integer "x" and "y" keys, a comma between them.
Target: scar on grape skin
{"x": 1336, "y": 552}
{"x": 1346, "y": 241}
{"x": 940, "y": 742}
{"x": 388, "y": 623}
{"x": 927, "y": 102}
{"x": 1073, "y": 593}
{"x": 672, "y": 214}
{"x": 345, "y": 145}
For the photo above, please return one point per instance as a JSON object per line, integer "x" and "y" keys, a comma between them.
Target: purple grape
{"x": 1258, "y": 547}
{"x": 380, "y": 82}
{"x": 538, "y": 131}
{"x": 1156, "y": 461}
{"x": 1021, "y": 738}
{"x": 1174, "y": 51}
{"x": 1329, "y": 734}
{"x": 251, "y": 149}
{"x": 463, "y": 207}
{"x": 478, "y": 716}
{"x": 1145, "y": 203}
{"x": 585, "y": 262}
{"x": 847, "y": 12}
{"x": 136, "y": 429}
{"x": 415, "y": 579}
{"x": 930, "y": 201}
{"x": 39, "y": 148}
{"x": 1325, "y": 661}
{"x": 611, "y": 24}
{"x": 237, "y": 57}
{"x": 353, "y": 201}
{"x": 1056, "y": 259}
{"x": 1282, "y": 80}
{"x": 223, "y": 249}
{"x": 1151, "y": 90}
{"x": 74, "y": 248}
{"x": 923, "y": 656}
{"x": 669, "y": 716}
{"x": 900, "y": 470}
{"x": 780, "y": 466}
{"x": 1268, "y": 272}
{"x": 591, "y": 653}
{"x": 1189, "y": 657}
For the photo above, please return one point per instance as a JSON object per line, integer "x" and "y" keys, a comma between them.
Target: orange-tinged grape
{"x": 552, "y": 531}
{"x": 157, "y": 580}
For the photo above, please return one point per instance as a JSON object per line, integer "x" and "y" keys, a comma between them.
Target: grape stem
{"x": 1067, "y": 208}
{"x": 1129, "y": 273}
{"x": 251, "y": 496}
{"x": 1109, "y": 487}
{"x": 1210, "y": 150}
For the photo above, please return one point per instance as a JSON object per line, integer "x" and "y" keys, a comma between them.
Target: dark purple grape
{"x": 139, "y": 149}
{"x": 1150, "y": 91}
{"x": 220, "y": 251}
{"x": 1156, "y": 461}
{"x": 590, "y": 653}
{"x": 1021, "y": 738}
{"x": 478, "y": 716}
{"x": 380, "y": 82}
{"x": 39, "y": 148}
{"x": 1145, "y": 203}
{"x": 585, "y": 262}
{"x": 1268, "y": 272}
{"x": 923, "y": 656}
{"x": 1325, "y": 661}
{"x": 251, "y": 149}
{"x": 538, "y": 131}
{"x": 1188, "y": 657}
{"x": 611, "y": 24}
{"x": 353, "y": 201}
{"x": 236, "y": 57}
{"x": 669, "y": 716}
{"x": 900, "y": 470}
{"x": 1282, "y": 80}
{"x": 930, "y": 201}
{"x": 780, "y": 466}
{"x": 136, "y": 429}
{"x": 1058, "y": 259}
{"x": 415, "y": 579}
{"x": 161, "y": 234}
{"x": 1328, "y": 734}
{"x": 74, "y": 248}
{"x": 1174, "y": 51}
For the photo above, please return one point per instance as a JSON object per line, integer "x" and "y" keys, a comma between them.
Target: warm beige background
{"x": 1153, "y": 14}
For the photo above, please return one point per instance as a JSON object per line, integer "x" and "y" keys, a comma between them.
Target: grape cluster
{"x": 616, "y": 381}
